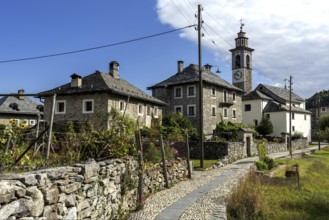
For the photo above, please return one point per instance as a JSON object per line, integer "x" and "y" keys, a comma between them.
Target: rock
{"x": 51, "y": 194}
{"x": 90, "y": 170}
{"x": 70, "y": 188}
{"x": 29, "y": 179}
{"x": 17, "y": 207}
{"x": 9, "y": 189}
{"x": 71, "y": 215}
{"x": 49, "y": 212}
{"x": 68, "y": 200}
{"x": 37, "y": 199}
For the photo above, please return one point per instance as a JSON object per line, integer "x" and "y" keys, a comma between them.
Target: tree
{"x": 324, "y": 122}
{"x": 176, "y": 125}
{"x": 265, "y": 127}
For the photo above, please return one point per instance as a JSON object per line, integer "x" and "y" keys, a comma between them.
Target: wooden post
{"x": 7, "y": 143}
{"x": 51, "y": 125}
{"x": 164, "y": 164}
{"x": 189, "y": 170}
{"x": 37, "y": 132}
{"x": 140, "y": 198}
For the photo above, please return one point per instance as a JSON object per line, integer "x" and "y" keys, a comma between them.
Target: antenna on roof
{"x": 285, "y": 83}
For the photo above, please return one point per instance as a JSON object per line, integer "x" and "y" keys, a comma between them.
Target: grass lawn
{"x": 279, "y": 198}
{"x": 206, "y": 164}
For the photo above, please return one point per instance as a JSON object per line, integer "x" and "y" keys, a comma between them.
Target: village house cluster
{"x": 82, "y": 98}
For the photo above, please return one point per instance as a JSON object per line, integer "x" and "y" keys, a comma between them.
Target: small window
{"x": 140, "y": 109}
{"x": 191, "y": 110}
{"x": 178, "y": 109}
{"x": 213, "y": 91}
{"x": 293, "y": 128}
{"x": 178, "y": 92}
{"x": 88, "y": 106}
{"x": 247, "y": 107}
{"x": 268, "y": 116}
{"x": 32, "y": 122}
{"x": 234, "y": 113}
{"x": 191, "y": 91}
{"x": 225, "y": 112}
{"x": 234, "y": 96}
{"x": 60, "y": 107}
{"x": 213, "y": 111}
{"x": 323, "y": 109}
{"x": 122, "y": 105}
{"x": 293, "y": 116}
{"x": 225, "y": 96}
{"x": 256, "y": 122}
{"x": 148, "y": 110}
{"x": 155, "y": 112}
{"x": 305, "y": 117}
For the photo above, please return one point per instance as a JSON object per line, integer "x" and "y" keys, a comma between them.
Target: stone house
{"x": 18, "y": 109}
{"x": 87, "y": 98}
{"x": 221, "y": 100}
{"x": 273, "y": 102}
{"x": 318, "y": 104}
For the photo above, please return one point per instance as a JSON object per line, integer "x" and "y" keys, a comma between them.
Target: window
{"x": 32, "y": 122}
{"x": 178, "y": 92}
{"x": 234, "y": 113}
{"x": 268, "y": 116}
{"x": 293, "y": 128}
{"x": 247, "y": 107}
{"x": 323, "y": 109}
{"x": 225, "y": 112}
{"x": 256, "y": 122}
{"x": 122, "y": 105}
{"x": 305, "y": 117}
{"x": 178, "y": 109}
{"x": 248, "y": 61}
{"x": 148, "y": 110}
{"x": 293, "y": 116}
{"x": 237, "y": 61}
{"x": 155, "y": 112}
{"x": 225, "y": 96}
{"x": 234, "y": 96}
{"x": 213, "y": 111}
{"x": 191, "y": 110}
{"x": 213, "y": 91}
{"x": 191, "y": 91}
{"x": 60, "y": 107}
{"x": 140, "y": 110}
{"x": 88, "y": 106}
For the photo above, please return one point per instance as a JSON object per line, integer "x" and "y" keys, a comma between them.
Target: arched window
{"x": 237, "y": 61}
{"x": 248, "y": 61}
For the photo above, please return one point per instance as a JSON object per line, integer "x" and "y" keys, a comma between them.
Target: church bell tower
{"x": 242, "y": 62}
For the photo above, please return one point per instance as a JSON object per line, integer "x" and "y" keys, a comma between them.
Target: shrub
{"x": 262, "y": 151}
{"x": 297, "y": 135}
{"x": 265, "y": 127}
{"x": 269, "y": 162}
{"x": 261, "y": 165}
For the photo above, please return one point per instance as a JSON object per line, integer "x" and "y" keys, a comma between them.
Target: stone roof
{"x": 102, "y": 82}
{"x": 15, "y": 105}
{"x": 273, "y": 106}
{"x": 255, "y": 95}
{"x": 190, "y": 74}
{"x": 278, "y": 93}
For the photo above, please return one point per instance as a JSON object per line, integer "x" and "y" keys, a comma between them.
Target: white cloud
{"x": 289, "y": 37}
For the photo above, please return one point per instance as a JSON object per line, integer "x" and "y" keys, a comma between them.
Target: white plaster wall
{"x": 257, "y": 107}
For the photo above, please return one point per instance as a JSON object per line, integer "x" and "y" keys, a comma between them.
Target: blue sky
{"x": 286, "y": 42}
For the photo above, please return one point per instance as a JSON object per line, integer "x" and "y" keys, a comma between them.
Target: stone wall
{"x": 282, "y": 147}
{"x": 92, "y": 190}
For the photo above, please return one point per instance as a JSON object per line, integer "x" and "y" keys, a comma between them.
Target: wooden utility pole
{"x": 290, "y": 115}
{"x": 200, "y": 88}
{"x": 51, "y": 121}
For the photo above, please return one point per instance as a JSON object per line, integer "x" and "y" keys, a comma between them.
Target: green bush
{"x": 270, "y": 162}
{"x": 262, "y": 151}
{"x": 261, "y": 165}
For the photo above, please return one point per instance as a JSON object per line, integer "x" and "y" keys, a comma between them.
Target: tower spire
{"x": 241, "y": 24}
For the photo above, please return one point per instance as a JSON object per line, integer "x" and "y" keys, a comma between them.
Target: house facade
{"x": 274, "y": 103}
{"x": 91, "y": 97}
{"x": 318, "y": 104}
{"x": 19, "y": 109}
{"x": 221, "y": 100}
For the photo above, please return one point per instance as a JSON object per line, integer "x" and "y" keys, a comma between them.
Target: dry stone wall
{"x": 91, "y": 190}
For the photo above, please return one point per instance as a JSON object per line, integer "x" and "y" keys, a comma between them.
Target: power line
{"x": 95, "y": 48}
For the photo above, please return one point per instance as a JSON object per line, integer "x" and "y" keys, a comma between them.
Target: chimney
{"x": 180, "y": 66}
{"x": 21, "y": 92}
{"x": 114, "y": 69}
{"x": 76, "y": 80}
